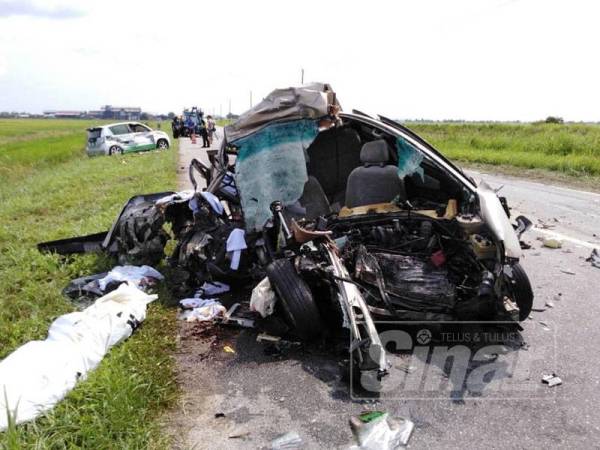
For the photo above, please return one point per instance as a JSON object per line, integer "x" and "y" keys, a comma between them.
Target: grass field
{"x": 49, "y": 189}
{"x": 573, "y": 149}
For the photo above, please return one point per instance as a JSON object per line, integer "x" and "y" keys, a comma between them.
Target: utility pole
{"x": 302, "y": 76}
{"x": 250, "y": 99}
{"x": 229, "y": 106}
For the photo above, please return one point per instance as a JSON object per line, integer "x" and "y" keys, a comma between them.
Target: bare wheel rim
{"x": 114, "y": 150}
{"x": 162, "y": 144}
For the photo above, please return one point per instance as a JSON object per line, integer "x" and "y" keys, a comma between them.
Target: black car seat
{"x": 314, "y": 199}
{"x": 312, "y": 204}
{"x": 375, "y": 181}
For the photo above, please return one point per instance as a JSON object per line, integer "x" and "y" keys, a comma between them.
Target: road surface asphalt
{"x": 305, "y": 389}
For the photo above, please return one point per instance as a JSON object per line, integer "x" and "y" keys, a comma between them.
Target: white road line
{"x": 503, "y": 180}
{"x": 564, "y": 237}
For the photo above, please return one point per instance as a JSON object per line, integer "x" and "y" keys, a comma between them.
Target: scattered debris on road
{"x": 594, "y": 258}
{"x": 551, "y": 380}
{"x": 551, "y": 243}
{"x": 375, "y": 430}
{"x": 287, "y": 441}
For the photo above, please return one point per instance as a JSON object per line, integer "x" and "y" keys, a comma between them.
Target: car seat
{"x": 375, "y": 181}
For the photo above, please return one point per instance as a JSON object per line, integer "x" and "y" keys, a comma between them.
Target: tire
{"x": 522, "y": 294}
{"x": 298, "y": 306}
{"x": 115, "y": 150}
{"x": 162, "y": 144}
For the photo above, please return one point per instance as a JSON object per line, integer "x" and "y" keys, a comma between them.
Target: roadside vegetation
{"x": 570, "y": 148}
{"x": 49, "y": 189}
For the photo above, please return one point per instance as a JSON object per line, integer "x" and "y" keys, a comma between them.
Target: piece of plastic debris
{"x": 287, "y": 441}
{"x": 263, "y": 298}
{"x": 567, "y": 271}
{"x": 228, "y": 349}
{"x": 407, "y": 368}
{"x": 551, "y": 380}
{"x": 375, "y": 430}
{"x": 552, "y": 243}
{"x": 243, "y": 435}
{"x": 229, "y": 317}
{"x": 368, "y": 416}
{"x": 539, "y": 309}
{"x": 267, "y": 338}
{"x": 594, "y": 258}
{"x": 544, "y": 325}
{"x": 524, "y": 245}
{"x": 549, "y": 304}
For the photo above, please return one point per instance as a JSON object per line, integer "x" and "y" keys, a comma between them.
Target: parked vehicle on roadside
{"x": 124, "y": 137}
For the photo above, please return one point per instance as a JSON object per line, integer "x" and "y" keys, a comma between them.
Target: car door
{"x": 122, "y": 136}
{"x": 143, "y": 137}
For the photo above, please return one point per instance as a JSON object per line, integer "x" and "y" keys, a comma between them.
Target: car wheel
{"x": 115, "y": 150}
{"x": 521, "y": 291}
{"x": 162, "y": 144}
{"x": 296, "y": 301}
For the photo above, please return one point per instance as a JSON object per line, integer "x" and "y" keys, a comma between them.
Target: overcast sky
{"x": 433, "y": 59}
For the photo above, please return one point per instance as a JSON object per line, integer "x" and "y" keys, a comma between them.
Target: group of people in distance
{"x": 206, "y": 128}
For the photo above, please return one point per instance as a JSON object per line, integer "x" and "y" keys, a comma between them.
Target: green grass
{"x": 569, "y": 148}
{"x": 69, "y": 195}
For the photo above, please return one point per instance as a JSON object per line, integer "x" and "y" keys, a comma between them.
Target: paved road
{"x": 303, "y": 389}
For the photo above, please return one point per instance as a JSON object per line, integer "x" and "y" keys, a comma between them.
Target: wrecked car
{"x": 347, "y": 218}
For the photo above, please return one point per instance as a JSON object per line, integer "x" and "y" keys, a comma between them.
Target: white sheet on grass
{"x": 138, "y": 275}
{"x": 36, "y": 376}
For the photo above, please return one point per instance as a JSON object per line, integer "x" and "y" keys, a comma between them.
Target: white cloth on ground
{"x": 37, "y": 375}
{"x": 211, "y": 289}
{"x": 235, "y": 244}
{"x": 139, "y": 276}
{"x": 203, "y": 309}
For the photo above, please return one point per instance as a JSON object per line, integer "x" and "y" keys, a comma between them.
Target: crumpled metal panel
{"x": 310, "y": 101}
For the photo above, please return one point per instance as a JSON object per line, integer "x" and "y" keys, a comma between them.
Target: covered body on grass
{"x": 350, "y": 218}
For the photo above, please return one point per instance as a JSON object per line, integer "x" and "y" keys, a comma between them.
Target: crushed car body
{"x": 349, "y": 219}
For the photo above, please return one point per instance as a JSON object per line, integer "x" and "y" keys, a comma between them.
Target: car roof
{"x": 122, "y": 123}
